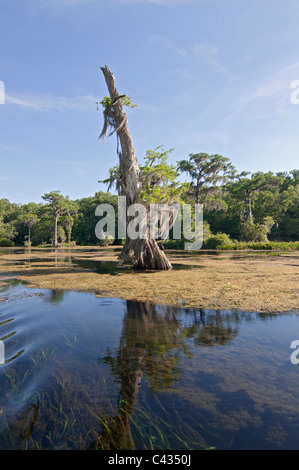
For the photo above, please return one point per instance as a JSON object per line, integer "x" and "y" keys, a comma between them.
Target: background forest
{"x": 240, "y": 210}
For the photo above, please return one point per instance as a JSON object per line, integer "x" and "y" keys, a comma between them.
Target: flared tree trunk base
{"x": 144, "y": 255}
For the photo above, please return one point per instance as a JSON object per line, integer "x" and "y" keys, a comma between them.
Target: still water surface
{"x": 84, "y": 372}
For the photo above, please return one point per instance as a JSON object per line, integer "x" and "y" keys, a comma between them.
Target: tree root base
{"x": 144, "y": 255}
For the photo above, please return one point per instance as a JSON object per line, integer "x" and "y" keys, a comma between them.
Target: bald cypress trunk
{"x": 140, "y": 253}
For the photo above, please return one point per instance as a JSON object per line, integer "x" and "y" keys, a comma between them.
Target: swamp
{"x": 149, "y": 228}
{"x": 100, "y": 357}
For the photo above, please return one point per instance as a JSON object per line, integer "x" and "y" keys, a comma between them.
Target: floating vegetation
{"x": 252, "y": 281}
{"x": 86, "y": 372}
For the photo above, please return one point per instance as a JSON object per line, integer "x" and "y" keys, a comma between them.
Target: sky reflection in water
{"x": 88, "y": 372}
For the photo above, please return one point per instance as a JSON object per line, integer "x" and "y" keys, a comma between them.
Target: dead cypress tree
{"x": 141, "y": 253}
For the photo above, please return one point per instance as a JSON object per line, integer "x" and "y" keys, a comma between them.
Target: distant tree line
{"x": 238, "y": 207}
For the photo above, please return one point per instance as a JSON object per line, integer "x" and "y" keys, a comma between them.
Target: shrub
{"x": 218, "y": 241}
{"x": 172, "y": 244}
{"x": 252, "y": 232}
{"x": 106, "y": 241}
{"x": 268, "y": 246}
{"x": 6, "y": 242}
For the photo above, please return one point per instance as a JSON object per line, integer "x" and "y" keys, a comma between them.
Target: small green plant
{"x": 126, "y": 100}
{"x": 71, "y": 343}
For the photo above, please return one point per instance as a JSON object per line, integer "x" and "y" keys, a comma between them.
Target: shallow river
{"x": 80, "y": 372}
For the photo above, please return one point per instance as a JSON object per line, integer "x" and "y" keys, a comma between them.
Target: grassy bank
{"x": 219, "y": 242}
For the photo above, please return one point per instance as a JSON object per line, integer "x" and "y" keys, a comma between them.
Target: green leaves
{"x": 126, "y": 100}
{"x": 207, "y": 172}
{"x": 159, "y": 178}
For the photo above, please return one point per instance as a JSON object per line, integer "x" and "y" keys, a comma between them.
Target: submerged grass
{"x": 67, "y": 415}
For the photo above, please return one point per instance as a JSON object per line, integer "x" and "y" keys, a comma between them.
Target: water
{"x": 100, "y": 267}
{"x": 111, "y": 267}
{"x": 87, "y": 372}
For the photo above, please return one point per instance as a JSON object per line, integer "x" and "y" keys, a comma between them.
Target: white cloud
{"x": 44, "y": 102}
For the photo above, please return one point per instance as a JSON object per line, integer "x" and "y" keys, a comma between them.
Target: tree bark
{"x": 55, "y": 230}
{"x": 249, "y": 209}
{"x": 69, "y": 229}
{"x": 140, "y": 253}
{"x": 29, "y": 235}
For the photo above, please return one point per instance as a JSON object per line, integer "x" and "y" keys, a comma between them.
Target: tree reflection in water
{"x": 53, "y": 397}
{"x": 212, "y": 327}
{"x": 151, "y": 344}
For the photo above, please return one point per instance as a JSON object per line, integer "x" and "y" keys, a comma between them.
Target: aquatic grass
{"x": 41, "y": 355}
{"x": 71, "y": 343}
{"x": 62, "y": 418}
{"x": 161, "y": 431}
{"x": 143, "y": 430}
{"x": 245, "y": 281}
{"x": 82, "y": 409}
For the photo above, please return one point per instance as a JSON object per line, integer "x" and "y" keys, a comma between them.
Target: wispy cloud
{"x": 9, "y": 148}
{"x": 266, "y": 101}
{"x": 180, "y": 73}
{"x": 204, "y": 51}
{"x": 275, "y": 90}
{"x": 71, "y": 3}
{"x": 152, "y": 108}
{"x": 209, "y": 52}
{"x": 44, "y": 102}
{"x": 62, "y": 3}
{"x": 160, "y": 2}
{"x": 165, "y": 42}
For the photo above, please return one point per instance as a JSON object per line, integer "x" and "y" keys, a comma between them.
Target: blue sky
{"x": 208, "y": 76}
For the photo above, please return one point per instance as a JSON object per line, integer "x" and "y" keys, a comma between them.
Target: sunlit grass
{"x": 252, "y": 281}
